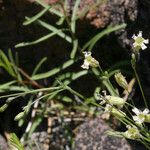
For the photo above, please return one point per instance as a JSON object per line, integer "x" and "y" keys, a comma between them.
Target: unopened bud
{"x": 132, "y": 133}
{"x": 120, "y": 79}
{"x": 19, "y": 116}
{"x": 114, "y": 100}
{"x": 118, "y": 113}
{"x": 3, "y": 107}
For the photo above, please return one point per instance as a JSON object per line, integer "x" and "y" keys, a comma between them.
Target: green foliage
{"x": 14, "y": 141}
{"x": 63, "y": 77}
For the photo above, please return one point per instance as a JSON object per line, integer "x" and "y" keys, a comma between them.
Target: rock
{"x": 3, "y": 144}
{"x": 91, "y": 136}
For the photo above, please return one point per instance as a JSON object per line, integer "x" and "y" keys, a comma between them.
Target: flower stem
{"x": 139, "y": 83}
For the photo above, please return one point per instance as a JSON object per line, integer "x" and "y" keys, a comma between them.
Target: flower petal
{"x": 85, "y": 64}
{"x": 136, "y": 111}
{"x": 143, "y": 46}
{"x": 146, "y": 41}
{"x": 140, "y": 34}
{"x": 146, "y": 111}
{"x": 135, "y": 118}
{"x": 87, "y": 53}
{"x": 134, "y": 37}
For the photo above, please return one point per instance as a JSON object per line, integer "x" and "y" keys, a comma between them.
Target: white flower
{"x": 85, "y": 64}
{"x": 89, "y": 61}
{"x": 132, "y": 133}
{"x": 139, "y": 41}
{"x": 87, "y": 54}
{"x": 140, "y": 115}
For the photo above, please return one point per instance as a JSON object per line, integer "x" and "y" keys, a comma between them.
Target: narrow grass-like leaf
{"x": 60, "y": 21}
{"x": 52, "y": 10}
{"x": 5, "y": 86}
{"x": 15, "y": 68}
{"x": 54, "y": 29}
{"x": 19, "y": 88}
{"x": 68, "y": 77}
{"x": 54, "y": 94}
{"x": 74, "y": 16}
{"x": 14, "y": 141}
{"x": 34, "y": 18}
{"x": 75, "y": 48}
{"x": 30, "y": 92}
{"x": 66, "y": 87}
{"x": 64, "y": 98}
{"x": 5, "y": 63}
{"x": 38, "y": 66}
{"x": 38, "y": 40}
{"x": 53, "y": 71}
{"x": 97, "y": 37}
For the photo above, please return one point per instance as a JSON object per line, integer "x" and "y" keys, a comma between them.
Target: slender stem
{"x": 31, "y": 92}
{"x": 138, "y": 80}
{"x": 107, "y": 83}
{"x": 74, "y": 92}
{"x": 145, "y": 144}
{"x": 109, "y": 87}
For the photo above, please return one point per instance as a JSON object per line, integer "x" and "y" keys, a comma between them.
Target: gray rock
{"x": 91, "y": 136}
{"x": 3, "y": 143}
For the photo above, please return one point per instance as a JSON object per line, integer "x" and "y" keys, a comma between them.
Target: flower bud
{"x": 118, "y": 113}
{"x": 114, "y": 100}
{"x": 19, "y": 116}
{"x": 132, "y": 133}
{"x": 120, "y": 79}
{"x": 3, "y": 107}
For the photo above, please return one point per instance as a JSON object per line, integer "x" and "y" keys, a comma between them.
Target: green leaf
{"x": 23, "y": 44}
{"x": 70, "y": 76}
{"x": 19, "y": 88}
{"x": 14, "y": 141}
{"x": 13, "y": 96}
{"x": 5, "y": 63}
{"x": 3, "y": 107}
{"x": 54, "y": 29}
{"x": 97, "y": 37}
{"x": 52, "y": 10}
{"x": 64, "y": 98}
{"x": 14, "y": 66}
{"x": 38, "y": 66}
{"x": 74, "y": 15}
{"x": 6, "y": 86}
{"x": 34, "y": 18}
{"x": 75, "y": 48}
{"x": 53, "y": 71}
{"x": 19, "y": 116}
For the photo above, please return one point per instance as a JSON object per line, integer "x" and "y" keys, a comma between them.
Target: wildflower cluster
{"x": 118, "y": 106}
